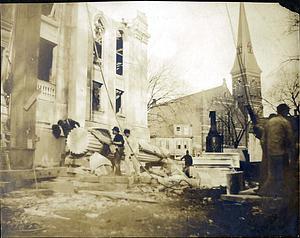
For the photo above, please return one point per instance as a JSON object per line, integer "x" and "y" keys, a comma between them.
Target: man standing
{"x": 131, "y": 149}
{"x": 278, "y": 138}
{"x": 263, "y": 168}
{"x": 188, "y": 162}
{"x": 119, "y": 142}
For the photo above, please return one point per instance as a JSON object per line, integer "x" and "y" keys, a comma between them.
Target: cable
{"x": 242, "y": 69}
{"x": 111, "y": 104}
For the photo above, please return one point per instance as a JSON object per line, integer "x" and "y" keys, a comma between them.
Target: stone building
{"x": 69, "y": 60}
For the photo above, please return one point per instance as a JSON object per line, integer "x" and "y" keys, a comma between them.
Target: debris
{"x": 119, "y": 195}
{"x": 156, "y": 215}
{"x": 141, "y": 219}
{"x": 91, "y": 215}
{"x": 97, "y": 160}
{"x": 42, "y": 213}
{"x": 210, "y": 221}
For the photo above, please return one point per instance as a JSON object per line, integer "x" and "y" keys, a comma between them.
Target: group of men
{"x": 127, "y": 149}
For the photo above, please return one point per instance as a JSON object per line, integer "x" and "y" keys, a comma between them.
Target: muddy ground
{"x": 183, "y": 213}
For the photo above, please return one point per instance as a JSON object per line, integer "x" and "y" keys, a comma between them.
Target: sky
{"x": 197, "y": 38}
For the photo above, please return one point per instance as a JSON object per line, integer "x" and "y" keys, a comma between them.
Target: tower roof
{"x": 244, "y": 48}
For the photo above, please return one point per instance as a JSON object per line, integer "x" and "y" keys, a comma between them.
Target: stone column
{"x": 25, "y": 70}
{"x": 78, "y": 63}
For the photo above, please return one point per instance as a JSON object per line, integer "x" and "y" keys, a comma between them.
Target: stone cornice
{"x": 141, "y": 36}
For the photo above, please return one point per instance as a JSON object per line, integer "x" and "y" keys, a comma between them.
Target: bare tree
{"x": 232, "y": 123}
{"x": 286, "y": 75}
{"x": 164, "y": 83}
{"x": 286, "y": 90}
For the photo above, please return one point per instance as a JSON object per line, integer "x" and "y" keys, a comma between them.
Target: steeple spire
{"x": 244, "y": 48}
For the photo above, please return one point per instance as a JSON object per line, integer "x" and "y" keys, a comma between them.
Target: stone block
{"x": 205, "y": 179}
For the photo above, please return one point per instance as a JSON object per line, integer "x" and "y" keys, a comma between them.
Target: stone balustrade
{"x": 47, "y": 89}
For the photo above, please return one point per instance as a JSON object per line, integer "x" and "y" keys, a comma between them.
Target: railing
{"x": 47, "y": 88}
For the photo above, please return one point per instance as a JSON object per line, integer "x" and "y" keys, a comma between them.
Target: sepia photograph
{"x": 149, "y": 119}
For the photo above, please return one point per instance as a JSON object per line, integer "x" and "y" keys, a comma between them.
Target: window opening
{"x": 119, "y": 101}
{"x": 178, "y": 145}
{"x": 178, "y": 128}
{"x": 96, "y": 96}
{"x": 97, "y": 50}
{"x": 45, "y": 60}
{"x": 253, "y": 88}
{"x": 97, "y": 47}
{"x": 249, "y": 46}
{"x": 239, "y": 88}
{"x": 119, "y": 53}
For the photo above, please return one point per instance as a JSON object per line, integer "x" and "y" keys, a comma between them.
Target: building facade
{"x": 83, "y": 65}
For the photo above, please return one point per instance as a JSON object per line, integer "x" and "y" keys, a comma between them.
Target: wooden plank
{"x": 118, "y": 195}
{"x": 246, "y": 198}
{"x": 32, "y": 99}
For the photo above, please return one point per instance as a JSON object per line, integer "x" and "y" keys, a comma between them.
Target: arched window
{"x": 253, "y": 88}
{"x": 97, "y": 46}
{"x": 119, "y": 52}
{"x": 239, "y": 88}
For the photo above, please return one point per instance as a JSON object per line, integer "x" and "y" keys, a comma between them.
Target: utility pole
{"x": 24, "y": 92}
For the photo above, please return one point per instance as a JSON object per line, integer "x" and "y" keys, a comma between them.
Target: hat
{"x": 282, "y": 107}
{"x": 126, "y": 131}
{"x": 116, "y": 129}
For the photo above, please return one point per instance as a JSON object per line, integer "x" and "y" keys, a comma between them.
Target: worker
{"x": 130, "y": 149}
{"x": 127, "y": 152}
{"x": 263, "y": 168}
{"x": 278, "y": 138}
{"x": 67, "y": 125}
{"x": 188, "y": 162}
{"x": 119, "y": 142}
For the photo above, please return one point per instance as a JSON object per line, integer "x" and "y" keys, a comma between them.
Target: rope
{"x": 111, "y": 104}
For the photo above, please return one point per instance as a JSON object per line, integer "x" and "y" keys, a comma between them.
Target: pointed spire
{"x": 244, "y": 46}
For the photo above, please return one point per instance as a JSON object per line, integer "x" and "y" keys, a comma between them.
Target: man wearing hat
{"x": 119, "y": 142}
{"x": 278, "y": 137}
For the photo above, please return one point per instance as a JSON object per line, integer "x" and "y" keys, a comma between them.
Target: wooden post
{"x": 25, "y": 72}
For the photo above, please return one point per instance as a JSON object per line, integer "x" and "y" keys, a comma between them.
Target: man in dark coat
{"x": 188, "y": 162}
{"x": 119, "y": 142}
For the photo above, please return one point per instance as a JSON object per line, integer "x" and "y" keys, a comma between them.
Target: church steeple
{"x": 244, "y": 47}
{"x": 246, "y": 82}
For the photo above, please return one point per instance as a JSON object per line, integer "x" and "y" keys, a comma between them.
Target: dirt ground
{"x": 192, "y": 213}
